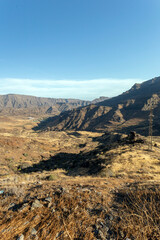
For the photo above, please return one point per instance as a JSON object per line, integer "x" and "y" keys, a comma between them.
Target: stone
{"x": 33, "y": 231}
{"x": 53, "y": 210}
{"x": 101, "y": 234}
{"x": 11, "y": 206}
{"x": 23, "y": 207}
{"x": 36, "y": 204}
{"x": 49, "y": 205}
{"x": 122, "y": 234}
{"x": 48, "y": 199}
{"x": 21, "y": 237}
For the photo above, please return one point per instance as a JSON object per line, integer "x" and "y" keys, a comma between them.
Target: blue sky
{"x": 77, "y": 48}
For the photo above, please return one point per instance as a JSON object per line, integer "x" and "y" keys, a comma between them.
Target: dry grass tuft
{"x": 138, "y": 213}
{"x": 73, "y": 213}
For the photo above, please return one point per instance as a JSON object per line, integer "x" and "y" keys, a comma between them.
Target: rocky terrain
{"x": 73, "y": 210}
{"x": 73, "y": 184}
{"x": 126, "y": 112}
{"x": 77, "y": 184}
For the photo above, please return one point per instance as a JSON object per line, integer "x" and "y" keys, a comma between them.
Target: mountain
{"x": 128, "y": 111}
{"x": 100, "y": 99}
{"x": 23, "y": 105}
{"x": 24, "y": 101}
{"x": 14, "y": 104}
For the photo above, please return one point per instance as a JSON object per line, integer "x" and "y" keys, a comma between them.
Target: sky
{"x": 77, "y": 48}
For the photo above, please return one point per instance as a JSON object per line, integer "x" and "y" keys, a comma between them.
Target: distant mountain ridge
{"x": 128, "y": 111}
{"x": 24, "y": 104}
{"x": 143, "y": 91}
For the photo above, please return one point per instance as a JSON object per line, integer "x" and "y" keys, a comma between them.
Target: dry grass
{"x": 86, "y": 200}
{"x": 134, "y": 161}
{"x": 77, "y": 209}
{"x": 73, "y": 214}
{"x": 138, "y": 208}
{"x": 20, "y": 146}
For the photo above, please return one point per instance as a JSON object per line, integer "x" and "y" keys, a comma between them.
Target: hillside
{"x": 126, "y": 112}
{"x": 80, "y": 184}
{"x": 85, "y": 185}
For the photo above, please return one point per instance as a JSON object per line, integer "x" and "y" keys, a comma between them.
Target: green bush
{"x": 52, "y": 177}
{"x": 25, "y": 154}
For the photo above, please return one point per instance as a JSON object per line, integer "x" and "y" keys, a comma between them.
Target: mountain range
{"x": 128, "y": 111}
{"x": 14, "y": 104}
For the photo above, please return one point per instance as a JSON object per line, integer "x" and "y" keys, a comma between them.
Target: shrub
{"x": 25, "y": 154}
{"x": 52, "y": 177}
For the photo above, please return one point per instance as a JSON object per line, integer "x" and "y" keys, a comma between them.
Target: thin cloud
{"x": 81, "y": 89}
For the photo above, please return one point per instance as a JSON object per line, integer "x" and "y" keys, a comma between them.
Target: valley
{"x": 50, "y": 178}
{"x": 79, "y": 120}
{"x": 86, "y": 173}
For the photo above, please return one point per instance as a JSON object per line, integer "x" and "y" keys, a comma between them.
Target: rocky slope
{"x": 125, "y": 112}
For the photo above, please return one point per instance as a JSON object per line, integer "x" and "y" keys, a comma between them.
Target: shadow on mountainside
{"x": 46, "y": 122}
{"x": 142, "y": 128}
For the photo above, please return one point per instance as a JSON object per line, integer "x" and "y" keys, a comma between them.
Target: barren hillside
{"x": 126, "y": 112}
{"x": 22, "y": 105}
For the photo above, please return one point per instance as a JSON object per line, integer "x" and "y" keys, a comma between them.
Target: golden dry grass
{"x": 138, "y": 212}
{"x": 128, "y": 163}
{"x": 135, "y": 161}
{"x": 78, "y": 207}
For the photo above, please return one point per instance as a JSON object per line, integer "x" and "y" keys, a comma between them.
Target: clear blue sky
{"x": 44, "y": 42}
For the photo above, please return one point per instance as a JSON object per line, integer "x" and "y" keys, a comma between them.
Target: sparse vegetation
{"x": 16, "y": 190}
{"x": 25, "y": 154}
{"x": 52, "y": 177}
{"x": 75, "y": 187}
{"x": 138, "y": 212}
